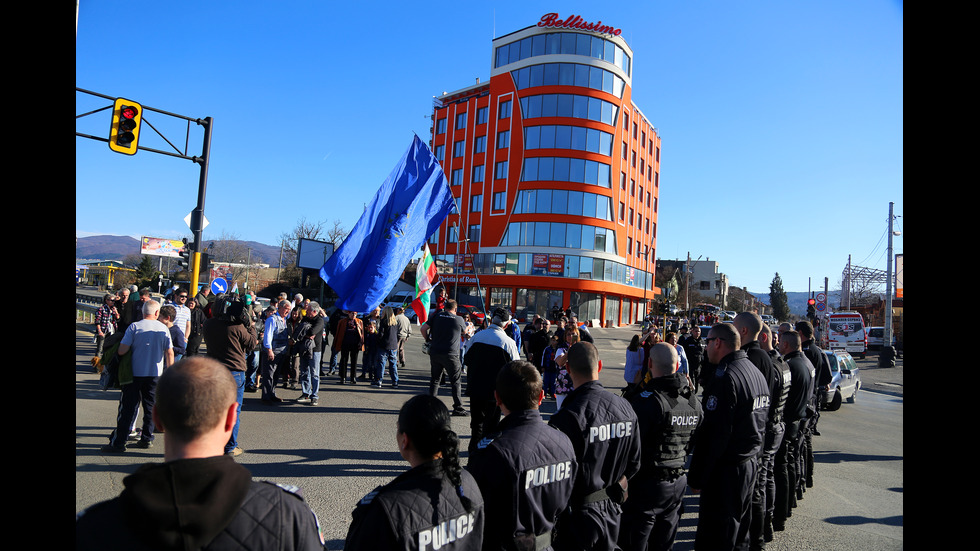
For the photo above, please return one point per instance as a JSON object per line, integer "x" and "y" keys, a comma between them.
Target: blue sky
{"x": 782, "y": 122}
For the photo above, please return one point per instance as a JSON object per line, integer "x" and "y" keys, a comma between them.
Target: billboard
{"x": 312, "y": 254}
{"x": 158, "y": 246}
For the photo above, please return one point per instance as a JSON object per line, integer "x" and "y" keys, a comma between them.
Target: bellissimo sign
{"x": 576, "y": 22}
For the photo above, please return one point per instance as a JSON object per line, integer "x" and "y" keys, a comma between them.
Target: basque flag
{"x": 408, "y": 208}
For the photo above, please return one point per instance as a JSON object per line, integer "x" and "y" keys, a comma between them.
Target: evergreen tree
{"x": 146, "y": 273}
{"x": 778, "y": 300}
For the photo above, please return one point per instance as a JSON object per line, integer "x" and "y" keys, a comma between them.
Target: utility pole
{"x": 888, "y": 279}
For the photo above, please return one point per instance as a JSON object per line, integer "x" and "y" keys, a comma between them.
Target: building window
{"x": 482, "y": 114}
{"x": 459, "y": 148}
{"x": 451, "y": 236}
{"x": 505, "y": 110}
{"x": 474, "y": 233}
{"x": 476, "y": 203}
{"x": 503, "y": 139}
{"x": 477, "y": 174}
{"x": 440, "y": 152}
{"x": 622, "y": 212}
{"x": 500, "y": 200}
{"x": 460, "y": 121}
{"x": 480, "y": 144}
{"x": 457, "y": 179}
{"x": 626, "y": 121}
{"x": 441, "y": 126}
{"x": 500, "y": 172}
{"x": 629, "y": 245}
{"x": 622, "y": 181}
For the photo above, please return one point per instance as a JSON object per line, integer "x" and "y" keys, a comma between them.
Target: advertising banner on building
{"x": 556, "y": 264}
{"x": 158, "y": 246}
{"x": 539, "y": 264}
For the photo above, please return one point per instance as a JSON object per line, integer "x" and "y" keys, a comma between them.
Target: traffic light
{"x": 124, "y": 133}
{"x": 186, "y": 253}
{"x": 811, "y": 311}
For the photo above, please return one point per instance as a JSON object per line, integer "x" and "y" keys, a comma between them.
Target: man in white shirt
{"x": 152, "y": 352}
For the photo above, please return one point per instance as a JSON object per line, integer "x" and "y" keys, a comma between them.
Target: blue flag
{"x": 411, "y": 204}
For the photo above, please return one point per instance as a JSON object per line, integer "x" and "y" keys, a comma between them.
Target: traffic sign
{"x": 821, "y": 297}
{"x": 821, "y": 306}
{"x": 219, "y": 286}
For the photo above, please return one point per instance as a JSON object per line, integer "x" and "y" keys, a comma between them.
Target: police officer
{"x": 526, "y": 470}
{"x": 776, "y": 460}
{"x": 727, "y": 444}
{"x": 668, "y": 412}
{"x": 799, "y": 398}
{"x": 486, "y": 354}
{"x": 749, "y": 326}
{"x": 821, "y": 383}
{"x": 603, "y": 430}
{"x": 433, "y": 505}
{"x": 443, "y": 332}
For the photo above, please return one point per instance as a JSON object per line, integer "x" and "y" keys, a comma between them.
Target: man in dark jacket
{"x": 309, "y": 341}
{"x": 525, "y": 470}
{"x": 486, "y": 354}
{"x": 603, "y": 429}
{"x": 668, "y": 413}
{"x": 724, "y": 460}
{"x": 749, "y": 326}
{"x": 230, "y": 338}
{"x": 218, "y": 506}
{"x": 798, "y": 401}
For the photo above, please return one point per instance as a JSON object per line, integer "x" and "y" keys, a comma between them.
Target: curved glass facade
{"x": 562, "y": 166}
{"x": 563, "y": 201}
{"x": 563, "y": 43}
{"x": 569, "y": 74}
{"x": 565, "y": 169}
{"x": 568, "y": 137}
{"x": 561, "y": 235}
{"x": 569, "y": 105}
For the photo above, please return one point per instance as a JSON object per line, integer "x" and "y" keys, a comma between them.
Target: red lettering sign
{"x": 576, "y": 22}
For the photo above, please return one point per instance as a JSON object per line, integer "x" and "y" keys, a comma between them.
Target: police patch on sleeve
{"x": 711, "y": 403}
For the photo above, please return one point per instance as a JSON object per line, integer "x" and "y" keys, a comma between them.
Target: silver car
{"x": 846, "y": 379}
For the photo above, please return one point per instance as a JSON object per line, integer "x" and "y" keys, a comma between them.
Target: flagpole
{"x": 466, "y": 247}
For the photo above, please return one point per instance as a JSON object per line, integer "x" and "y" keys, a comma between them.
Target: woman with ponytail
{"x": 433, "y": 505}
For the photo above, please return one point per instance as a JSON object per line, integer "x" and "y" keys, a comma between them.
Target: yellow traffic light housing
{"x": 124, "y": 133}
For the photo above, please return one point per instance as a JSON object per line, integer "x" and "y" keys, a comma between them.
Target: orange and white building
{"x": 557, "y": 176}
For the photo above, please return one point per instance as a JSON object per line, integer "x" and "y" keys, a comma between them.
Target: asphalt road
{"x": 345, "y": 447}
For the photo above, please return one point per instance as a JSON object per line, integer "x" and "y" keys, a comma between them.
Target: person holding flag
{"x": 408, "y": 208}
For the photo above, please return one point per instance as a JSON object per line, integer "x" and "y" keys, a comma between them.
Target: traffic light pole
{"x": 197, "y": 215}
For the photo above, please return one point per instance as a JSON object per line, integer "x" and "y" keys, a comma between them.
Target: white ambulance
{"x": 845, "y": 330}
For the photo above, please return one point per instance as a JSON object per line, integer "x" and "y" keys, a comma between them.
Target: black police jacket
{"x": 736, "y": 407}
{"x": 668, "y": 413}
{"x": 526, "y": 472}
{"x": 420, "y": 510}
{"x": 820, "y": 363}
{"x": 773, "y": 377}
{"x": 604, "y": 433}
{"x": 801, "y": 385}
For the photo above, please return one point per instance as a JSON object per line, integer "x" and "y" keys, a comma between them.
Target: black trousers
{"x": 725, "y": 508}
{"x": 652, "y": 513}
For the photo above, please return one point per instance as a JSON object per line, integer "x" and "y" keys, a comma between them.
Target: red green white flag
{"x": 425, "y": 280}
